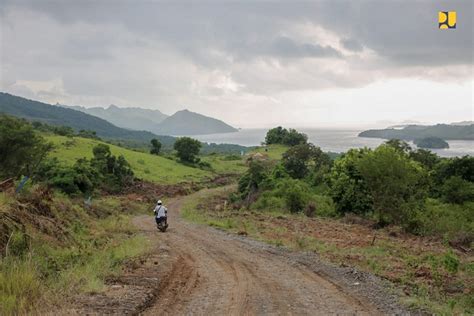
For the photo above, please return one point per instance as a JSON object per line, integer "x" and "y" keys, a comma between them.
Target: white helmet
{"x": 159, "y": 202}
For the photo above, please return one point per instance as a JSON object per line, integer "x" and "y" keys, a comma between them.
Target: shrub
{"x": 395, "y": 183}
{"x": 347, "y": 187}
{"x": 254, "y": 178}
{"x": 295, "y": 200}
{"x": 457, "y": 190}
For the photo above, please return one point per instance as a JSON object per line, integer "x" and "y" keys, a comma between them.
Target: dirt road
{"x": 215, "y": 273}
{"x": 199, "y": 270}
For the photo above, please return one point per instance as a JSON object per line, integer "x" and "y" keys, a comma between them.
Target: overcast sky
{"x": 252, "y": 64}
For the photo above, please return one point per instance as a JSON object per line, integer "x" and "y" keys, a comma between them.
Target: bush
{"x": 268, "y": 201}
{"x": 457, "y": 190}
{"x": 396, "y": 184}
{"x": 253, "y": 179}
{"x": 348, "y": 189}
{"x": 449, "y": 220}
{"x": 295, "y": 200}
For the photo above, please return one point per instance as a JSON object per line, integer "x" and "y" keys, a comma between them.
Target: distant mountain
{"x": 58, "y": 115}
{"x": 412, "y": 132}
{"x": 189, "y": 123}
{"x": 463, "y": 123}
{"x": 132, "y": 118}
{"x": 64, "y": 116}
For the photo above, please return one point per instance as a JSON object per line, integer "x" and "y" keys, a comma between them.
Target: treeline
{"x": 391, "y": 184}
{"x": 23, "y": 152}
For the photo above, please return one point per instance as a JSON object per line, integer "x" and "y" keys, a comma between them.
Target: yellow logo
{"x": 447, "y": 19}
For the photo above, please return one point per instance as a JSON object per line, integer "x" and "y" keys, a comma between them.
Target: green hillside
{"x": 148, "y": 167}
{"x": 63, "y": 116}
{"x": 57, "y": 115}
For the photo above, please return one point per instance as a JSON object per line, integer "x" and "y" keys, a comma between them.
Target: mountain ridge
{"x": 186, "y": 122}
{"x": 134, "y": 118}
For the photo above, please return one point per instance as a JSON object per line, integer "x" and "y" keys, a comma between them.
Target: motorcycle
{"x": 162, "y": 224}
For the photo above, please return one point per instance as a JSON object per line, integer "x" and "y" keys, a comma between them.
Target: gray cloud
{"x": 351, "y": 44}
{"x": 171, "y": 54}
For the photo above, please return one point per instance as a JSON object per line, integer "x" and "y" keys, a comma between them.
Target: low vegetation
{"x": 390, "y": 190}
{"x": 53, "y": 247}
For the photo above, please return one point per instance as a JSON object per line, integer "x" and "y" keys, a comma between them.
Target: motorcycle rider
{"x": 161, "y": 213}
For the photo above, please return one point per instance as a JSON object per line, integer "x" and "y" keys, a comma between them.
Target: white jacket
{"x": 160, "y": 211}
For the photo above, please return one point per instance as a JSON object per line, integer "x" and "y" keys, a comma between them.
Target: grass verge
{"x": 65, "y": 250}
{"x": 431, "y": 274}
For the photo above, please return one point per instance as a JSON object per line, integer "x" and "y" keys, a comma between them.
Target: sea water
{"x": 334, "y": 140}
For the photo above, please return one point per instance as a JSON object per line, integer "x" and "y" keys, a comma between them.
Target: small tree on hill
{"x": 21, "y": 149}
{"x": 395, "y": 182}
{"x": 155, "y": 146}
{"x": 187, "y": 149}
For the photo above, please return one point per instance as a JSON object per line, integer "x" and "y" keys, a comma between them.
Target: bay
{"x": 334, "y": 140}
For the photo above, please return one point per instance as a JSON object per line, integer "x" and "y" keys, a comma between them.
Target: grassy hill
{"x": 60, "y": 116}
{"x": 63, "y": 116}
{"x": 152, "y": 168}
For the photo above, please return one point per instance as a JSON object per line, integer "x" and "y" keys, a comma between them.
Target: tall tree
{"x": 187, "y": 149}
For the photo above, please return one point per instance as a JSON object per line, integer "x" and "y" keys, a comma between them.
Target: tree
{"x": 458, "y": 166}
{"x": 293, "y": 138}
{"x": 349, "y": 191}
{"x": 457, "y": 190}
{"x": 115, "y": 172}
{"x": 394, "y": 181}
{"x": 298, "y": 159}
{"x": 21, "y": 149}
{"x": 187, "y": 149}
{"x": 280, "y": 135}
{"x": 399, "y": 145}
{"x": 88, "y": 134}
{"x": 425, "y": 157}
{"x": 253, "y": 179}
{"x": 155, "y": 146}
{"x": 276, "y": 135}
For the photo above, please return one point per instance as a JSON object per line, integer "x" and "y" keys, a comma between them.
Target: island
{"x": 412, "y": 132}
{"x": 431, "y": 143}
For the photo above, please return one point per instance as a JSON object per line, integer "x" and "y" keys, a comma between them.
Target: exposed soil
{"x": 200, "y": 270}
{"x": 147, "y": 191}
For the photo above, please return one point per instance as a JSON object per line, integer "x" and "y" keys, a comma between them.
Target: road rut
{"x": 215, "y": 273}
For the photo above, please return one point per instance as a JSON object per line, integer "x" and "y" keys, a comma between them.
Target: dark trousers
{"x": 160, "y": 219}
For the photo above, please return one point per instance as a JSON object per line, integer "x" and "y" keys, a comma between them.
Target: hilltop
{"x": 190, "y": 123}
{"x": 182, "y": 122}
{"x": 61, "y": 116}
{"x": 130, "y": 117}
{"x": 78, "y": 120}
